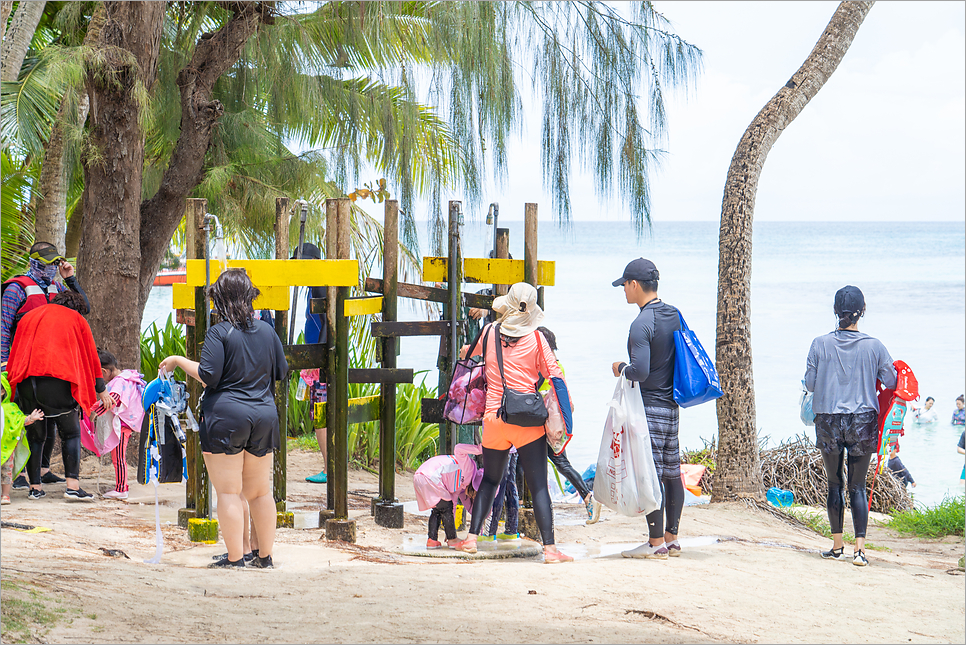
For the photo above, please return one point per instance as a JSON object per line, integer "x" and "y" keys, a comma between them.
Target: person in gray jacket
{"x": 842, "y": 370}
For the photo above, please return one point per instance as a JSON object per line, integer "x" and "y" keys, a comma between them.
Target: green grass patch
{"x": 27, "y": 613}
{"x": 821, "y": 526}
{"x": 306, "y": 441}
{"x": 945, "y": 518}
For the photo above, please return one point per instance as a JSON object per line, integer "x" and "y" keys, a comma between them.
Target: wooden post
{"x": 451, "y": 311}
{"x": 527, "y": 521}
{"x": 196, "y": 489}
{"x": 502, "y": 251}
{"x": 281, "y": 388}
{"x": 387, "y": 512}
{"x": 331, "y": 253}
{"x": 530, "y": 244}
{"x": 340, "y": 527}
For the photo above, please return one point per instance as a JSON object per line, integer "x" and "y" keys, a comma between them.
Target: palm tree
{"x": 737, "y": 471}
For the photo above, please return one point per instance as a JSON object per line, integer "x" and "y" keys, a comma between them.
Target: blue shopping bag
{"x": 695, "y": 378}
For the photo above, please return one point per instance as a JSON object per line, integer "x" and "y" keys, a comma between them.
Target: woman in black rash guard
{"x": 842, "y": 370}
{"x": 240, "y": 361}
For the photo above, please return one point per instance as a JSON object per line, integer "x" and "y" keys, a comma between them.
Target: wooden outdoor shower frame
{"x": 332, "y": 357}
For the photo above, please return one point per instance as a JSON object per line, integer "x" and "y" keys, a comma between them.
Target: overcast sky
{"x": 883, "y": 140}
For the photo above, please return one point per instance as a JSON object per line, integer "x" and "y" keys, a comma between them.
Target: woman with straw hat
{"x": 525, "y": 355}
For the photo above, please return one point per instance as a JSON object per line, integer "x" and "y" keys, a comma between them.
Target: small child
{"x": 126, "y": 388}
{"x": 14, "y": 450}
{"x": 442, "y": 481}
{"x": 895, "y": 465}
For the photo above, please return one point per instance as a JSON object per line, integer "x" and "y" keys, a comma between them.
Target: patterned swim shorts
{"x": 662, "y": 425}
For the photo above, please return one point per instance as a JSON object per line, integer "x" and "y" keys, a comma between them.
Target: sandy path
{"x": 763, "y": 582}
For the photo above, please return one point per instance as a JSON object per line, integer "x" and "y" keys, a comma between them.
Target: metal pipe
{"x": 493, "y": 217}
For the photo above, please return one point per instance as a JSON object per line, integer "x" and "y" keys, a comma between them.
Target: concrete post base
{"x": 185, "y": 514}
{"x": 389, "y": 515}
{"x": 203, "y": 530}
{"x": 342, "y": 530}
{"x": 325, "y": 515}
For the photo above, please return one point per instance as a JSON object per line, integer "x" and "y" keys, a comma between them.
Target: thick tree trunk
{"x": 74, "y": 228}
{"x": 213, "y": 56}
{"x": 17, "y": 39}
{"x": 737, "y": 471}
{"x": 109, "y": 257}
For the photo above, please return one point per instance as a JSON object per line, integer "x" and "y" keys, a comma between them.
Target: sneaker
{"x": 4, "y": 500}
{"x": 593, "y": 509}
{"x": 50, "y": 478}
{"x": 484, "y": 538}
{"x": 647, "y": 552}
{"x": 673, "y": 548}
{"x": 452, "y": 543}
{"x": 556, "y": 557}
{"x": 79, "y": 495}
{"x": 835, "y": 554}
{"x": 433, "y": 544}
{"x": 317, "y": 479}
{"x": 507, "y": 536}
{"x": 36, "y": 494}
{"x": 247, "y": 557}
{"x": 113, "y": 494}
{"x": 262, "y": 563}
{"x": 859, "y": 559}
{"x": 21, "y": 483}
{"x": 225, "y": 563}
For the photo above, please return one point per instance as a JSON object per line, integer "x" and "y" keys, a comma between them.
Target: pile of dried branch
{"x": 796, "y": 465}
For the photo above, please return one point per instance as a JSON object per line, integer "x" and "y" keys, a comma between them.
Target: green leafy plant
{"x": 415, "y": 440}
{"x": 159, "y": 343}
{"x": 945, "y": 518}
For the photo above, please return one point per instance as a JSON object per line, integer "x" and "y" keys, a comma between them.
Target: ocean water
{"x": 913, "y": 277}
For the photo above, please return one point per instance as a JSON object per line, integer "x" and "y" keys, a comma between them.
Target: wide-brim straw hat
{"x": 519, "y": 313}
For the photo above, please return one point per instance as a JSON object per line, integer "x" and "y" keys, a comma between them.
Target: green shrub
{"x": 159, "y": 343}
{"x": 945, "y": 518}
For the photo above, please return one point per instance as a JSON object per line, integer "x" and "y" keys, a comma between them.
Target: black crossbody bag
{"x": 525, "y": 409}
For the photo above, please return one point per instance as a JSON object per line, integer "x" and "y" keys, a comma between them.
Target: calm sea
{"x": 913, "y": 277}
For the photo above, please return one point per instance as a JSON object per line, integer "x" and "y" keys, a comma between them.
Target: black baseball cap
{"x": 641, "y": 270}
{"x": 48, "y": 255}
{"x": 849, "y": 300}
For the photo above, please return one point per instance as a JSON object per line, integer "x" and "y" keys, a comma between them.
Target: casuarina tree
{"x": 737, "y": 471}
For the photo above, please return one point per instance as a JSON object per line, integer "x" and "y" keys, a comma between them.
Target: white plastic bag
{"x": 627, "y": 480}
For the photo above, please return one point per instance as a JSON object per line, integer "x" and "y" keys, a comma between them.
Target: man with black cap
{"x": 24, "y": 293}
{"x": 650, "y": 347}
{"x": 842, "y": 370}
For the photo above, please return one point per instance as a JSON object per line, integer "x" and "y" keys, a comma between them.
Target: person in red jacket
{"x": 54, "y": 367}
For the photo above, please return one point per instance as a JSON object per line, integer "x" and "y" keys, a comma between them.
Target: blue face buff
{"x": 46, "y": 272}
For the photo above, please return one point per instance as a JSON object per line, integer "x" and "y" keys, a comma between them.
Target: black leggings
{"x": 442, "y": 514}
{"x": 48, "y": 447}
{"x": 532, "y": 458}
{"x": 565, "y": 468}
{"x": 70, "y": 444}
{"x": 858, "y": 470}
{"x": 672, "y": 503}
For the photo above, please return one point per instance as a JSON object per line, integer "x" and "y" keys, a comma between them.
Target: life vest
{"x": 36, "y": 296}
{"x": 892, "y": 412}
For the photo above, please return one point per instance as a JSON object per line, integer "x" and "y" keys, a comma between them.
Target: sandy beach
{"x": 744, "y": 576}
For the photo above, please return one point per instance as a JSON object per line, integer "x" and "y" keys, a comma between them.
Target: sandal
{"x": 556, "y": 557}
{"x": 466, "y": 546}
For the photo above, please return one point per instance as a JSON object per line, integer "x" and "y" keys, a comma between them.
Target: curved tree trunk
{"x": 6, "y": 6}
{"x": 737, "y": 471}
{"x": 109, "y": 257}
{"x": 17, "y": 39}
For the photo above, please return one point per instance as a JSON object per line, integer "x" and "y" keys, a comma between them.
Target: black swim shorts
{"x": 858, "y": 433}
{"x": 252, "y": 428}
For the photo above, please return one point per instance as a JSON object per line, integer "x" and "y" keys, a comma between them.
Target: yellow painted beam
{"x": 363, "y": 306}
{"x": 283, "y": 273}
{"x": 361, "y": 410}
{"x": 489, "y": 271}
{"x": 277, "y": 298}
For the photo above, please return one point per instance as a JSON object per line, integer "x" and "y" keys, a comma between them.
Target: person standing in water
{"x": 842, "y": 370}
{"x": 650, "y": 349}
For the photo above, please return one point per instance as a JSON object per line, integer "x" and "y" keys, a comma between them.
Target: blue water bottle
{"x": 787, "y": 498}
{"x": 774, "y": 495}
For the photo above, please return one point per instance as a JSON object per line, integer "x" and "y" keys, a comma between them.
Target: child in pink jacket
{"x": 126, "y": 388}
{"x": 442, "y": 481}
